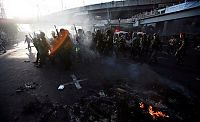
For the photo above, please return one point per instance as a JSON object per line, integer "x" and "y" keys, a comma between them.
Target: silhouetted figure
{"x": 99, "y": 41}
{"x": 181, "y": 48}
{"x": 28, "y": 41}
{"x": 65, "y": 49}
{"x": 108, "y": 42}
{"x": 2, "y": 45}
{"x": 36, "y": 45}
{"x": 43, "y": 48}
{"x": 155, "y": 46}
{"x": 171, "y": 45}
{"x": 135, "y": 45}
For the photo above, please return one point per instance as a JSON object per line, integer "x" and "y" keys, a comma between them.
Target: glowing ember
{"x": 141, "y": 105}
{"x": 157, "y": 114}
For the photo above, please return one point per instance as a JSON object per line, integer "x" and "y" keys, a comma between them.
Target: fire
{"x": 141, "y": 105}
{"x": 156, "y": 114}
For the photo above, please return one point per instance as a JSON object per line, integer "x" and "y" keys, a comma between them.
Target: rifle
{"x": 76, "y": 32}
{"x": 56, "y": 30}
{"x": 30, "y": 36}
{"x": 75, "y": 29}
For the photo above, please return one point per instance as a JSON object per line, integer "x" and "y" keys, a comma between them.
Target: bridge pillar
{"x": 164, "y": 32}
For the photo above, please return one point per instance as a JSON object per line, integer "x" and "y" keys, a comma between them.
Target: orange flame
{"x": 157, "y": 114}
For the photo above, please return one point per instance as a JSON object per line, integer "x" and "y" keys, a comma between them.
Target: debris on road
{"x": 61, "y": 87}
{"x": 27, "y": 61}
{"x": 31, "y": 85}
{"x": 26, "y": 87}
{"x": 20, "y": 89}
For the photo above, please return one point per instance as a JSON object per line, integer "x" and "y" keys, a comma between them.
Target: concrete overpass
{"x": 185, "y": 13}
{"x": 103, "y": 11}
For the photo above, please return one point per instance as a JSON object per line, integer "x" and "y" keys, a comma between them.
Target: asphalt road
{"x": 17, "y": 70}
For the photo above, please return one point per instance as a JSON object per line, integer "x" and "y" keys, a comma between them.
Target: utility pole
{"x": 38, "y": 11}
{"x": 2, "y": 10}
{"x": 61, "y": 4}
{"x": 83, "y": 2}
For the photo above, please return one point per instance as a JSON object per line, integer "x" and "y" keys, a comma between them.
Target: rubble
{"x": 120, "y": 103}
{"x": 123, "y": 104}
{"x": 26, "y": 87}
{"x": 27, "y": 61}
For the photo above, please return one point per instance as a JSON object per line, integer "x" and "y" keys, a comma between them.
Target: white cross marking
{"x": 75, "y": 82}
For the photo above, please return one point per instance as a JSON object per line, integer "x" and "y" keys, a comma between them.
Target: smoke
{"x": 109, "y": 67}
{"x": 139, "y": 75}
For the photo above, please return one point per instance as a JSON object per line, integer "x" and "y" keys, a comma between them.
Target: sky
{"x": 32, "y": 8}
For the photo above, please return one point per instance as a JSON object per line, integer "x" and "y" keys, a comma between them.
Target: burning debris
{"x": 118, "y": 103}
{"x": 157, "y": 114}
{"x": 124, "y": 104}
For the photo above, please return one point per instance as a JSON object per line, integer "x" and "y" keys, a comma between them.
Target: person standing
{"x": 36, "y": 45}
{"x": 155, "y": 46}
{"x": 28, "y": 41}
{"x": 2, "y": 45}
{"x": 181, "y": 48}
{"x": 65, "y": 49}
{"x": 43, "y": 48}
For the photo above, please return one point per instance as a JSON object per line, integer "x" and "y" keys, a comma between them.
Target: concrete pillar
{"x": 165, "y": 31}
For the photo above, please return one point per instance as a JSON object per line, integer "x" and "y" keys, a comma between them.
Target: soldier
{"x": 181, "y": 48}
{"x": 141, "y": 44}
{"x": 146, "y": 43}
{"x": 88, "y": 41}
{"x": 52, "y": 57}
{"x": 134, "y": 37}
{"x": 99, "y": 41}
{"x": 65, "y": 49}
{"x": 171, "y": 45}
{"x": 52, "y": 39}
{"x": 36, "y": 44}
{"x": 2, "y": 45}
{"x": 121, "y": 44}
{"x": 28, "y": 41}
{"x": 155, "y": 47}
{"x": 43, "y": 48}
{"x": 81, "y": 36}
{"x": 135, "y": 45}
{"x": 108, "y": 42}
{"x": 94, "y": 43}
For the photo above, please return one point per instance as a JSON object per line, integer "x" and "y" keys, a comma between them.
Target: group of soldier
{"x": 137, "y": 45}
{"x": 58, "y": 47}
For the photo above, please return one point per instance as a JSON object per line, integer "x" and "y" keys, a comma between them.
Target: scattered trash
{"x": 27, "y": 86}
{"x": 61, "y": 87}
{"x": 30, "y": 85}
{"x": 27, "y": 61}
{"x": 20, "y": 89}
{"x": 119, "y": 103}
